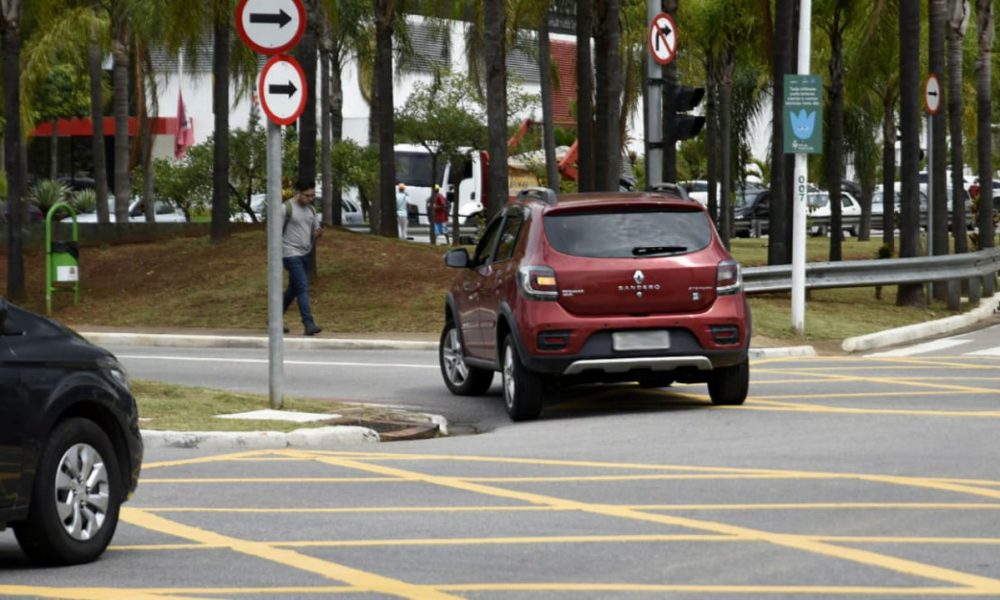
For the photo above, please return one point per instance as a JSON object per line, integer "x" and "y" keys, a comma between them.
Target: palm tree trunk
{"x": 835, "y": 152}
{"x": 331, "y": 195}
{"x": 607, "y": 167}
{"x": 909, "y": 126}
{"x": 984, "y": 113}
{"x": 219, "y": 229}
{"x": 712, "y": 141}
{"x": 10, "y": 30}
{"x": 726, "y": 149}
{"x": 784, "y": 26}
{"x": 939, "y": 207}
{"x": 956, "y": 34}
{"x": 336, "y": 120}
{"x": 384, "y": 18}
{"x": 119, "y": 76}
{"x": 669, "y": 108}
{"x": 888, "y": 176}
{"x": 54, "y": 151}
{"x": 496, "y": 103}
{"x": 585, "y": 95}
{"x": 548, "y": 124}
{"x": 100, "y": 171}
{"x": 305, "y": 52}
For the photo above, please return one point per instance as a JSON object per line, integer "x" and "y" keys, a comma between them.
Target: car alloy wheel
{"x": 522, "y": 389}
{"x": 509, "y": 383}
{"x": 452, "y": 359}
{"x": 82, "y": 491}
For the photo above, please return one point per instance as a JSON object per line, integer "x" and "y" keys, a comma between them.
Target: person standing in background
{"x": 402, "y": 216}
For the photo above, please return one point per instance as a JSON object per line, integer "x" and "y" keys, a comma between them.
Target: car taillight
{"x": 728, "y": 279}
{"x": 538, "y": 283}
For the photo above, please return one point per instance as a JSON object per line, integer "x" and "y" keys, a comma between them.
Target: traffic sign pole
{"x": 275, "y": 314}
{"x": 654, "y": 101}
{"x": 801, "y": 190}
{"x": 932, "y": 100}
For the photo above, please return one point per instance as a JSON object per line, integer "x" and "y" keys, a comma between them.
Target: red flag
{"x": 185, "y": 131}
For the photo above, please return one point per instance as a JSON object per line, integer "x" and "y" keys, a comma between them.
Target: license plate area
{"x": 626, "y": 341}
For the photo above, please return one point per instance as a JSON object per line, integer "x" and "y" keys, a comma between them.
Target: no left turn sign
{"x": 282, "y": 90}
{"x": 663, "y": 39}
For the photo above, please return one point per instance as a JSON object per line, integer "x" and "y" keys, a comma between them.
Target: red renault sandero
{"x": 599, "y": 287}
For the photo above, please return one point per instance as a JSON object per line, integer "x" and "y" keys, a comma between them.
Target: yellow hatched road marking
{"x": 717, "y": 589}
{"x": 204, "y": 460}
{"x": 896, "y": 381}
{"x": 362, "y": 579}
{"x": 92, "y": 593}
{"x": 905, "y": 566}
{"x": 255, "y": 480}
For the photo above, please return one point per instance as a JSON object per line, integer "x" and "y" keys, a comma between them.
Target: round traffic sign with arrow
{"x": 271, "y": 26}
{"x": 663, "y": 39}
{"x": 932, "y": 94}
{"x": 282, "y": 90}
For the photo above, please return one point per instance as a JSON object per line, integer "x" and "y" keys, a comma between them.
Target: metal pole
{"x": 801, "y": 190}
{"x": 654, "y": 109}
{"x": 930, "y": 195}
{"x": 275, "y": 221}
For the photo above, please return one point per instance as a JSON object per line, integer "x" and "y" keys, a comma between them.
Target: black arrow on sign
{"x": 664, "y": 32}
{"x": 281, "y": 19}
{"x": 289, "y": 89}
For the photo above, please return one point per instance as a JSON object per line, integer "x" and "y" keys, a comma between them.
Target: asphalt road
{"x": 859, "y": 477}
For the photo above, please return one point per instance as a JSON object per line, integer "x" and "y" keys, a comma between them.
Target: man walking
{"x": 299, "y": 234}
{"x": 402, "y": 218}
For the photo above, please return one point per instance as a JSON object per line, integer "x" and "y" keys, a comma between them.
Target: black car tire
{"x": 42, "y": 536}
{"x": 461, "y": 379}
{"x": 727, "y": 386}
{"x": 522, "y": 389}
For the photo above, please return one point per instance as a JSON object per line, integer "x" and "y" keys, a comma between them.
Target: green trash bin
{"x": 65, "y": 262}
{"x": 62, "y": 259}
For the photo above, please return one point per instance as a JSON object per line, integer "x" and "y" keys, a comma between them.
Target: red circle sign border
{"x": 927, "y": 84}
{"x": 652, "y": 30}
{"x": 263, "y": 98}
{"x": 262, "y": 49}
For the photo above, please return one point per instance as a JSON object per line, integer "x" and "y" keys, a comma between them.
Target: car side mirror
{"x": 457, "y": 258}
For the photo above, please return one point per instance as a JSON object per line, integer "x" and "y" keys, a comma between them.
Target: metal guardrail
{"x": 865, "y": 273}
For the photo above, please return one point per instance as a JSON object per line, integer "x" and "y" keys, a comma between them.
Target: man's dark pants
{"x": 298, "y": 286}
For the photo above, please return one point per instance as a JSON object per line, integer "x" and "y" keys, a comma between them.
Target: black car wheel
{"x": 75, "y": 499}
{"x": 460, "y": 378}
{"x": 728, "y": 385}
{"x": 522, "y": 389}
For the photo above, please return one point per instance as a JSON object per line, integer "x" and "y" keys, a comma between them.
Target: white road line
{"x": 924, "y": 348}
{"x": 263, "y": 361}
{"x": 987, "y": 352}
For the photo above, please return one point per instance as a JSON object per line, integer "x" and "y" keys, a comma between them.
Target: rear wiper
{"x": 647, "y": 250}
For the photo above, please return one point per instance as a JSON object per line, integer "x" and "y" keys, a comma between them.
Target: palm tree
{"x": 10, "y": 30}
{"x": 984, "y": 113}
{"x": 221, "y": 22}
{"x": 609, "y": 86}
{"x": 548, "y": 117}
{"x": 305, "y": 52}
{"x": 97, "y": 32}
{"x": 784, "y": 40}
{"x": 384, "y": 24}
{"x": 120, "y": 39}
{"x": 956, "y": 24}
{"x": 495, "y": 20}
{"x": 585, "y": 94}
{"x": 909, "y": 125}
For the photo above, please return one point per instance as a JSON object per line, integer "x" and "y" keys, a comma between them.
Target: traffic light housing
{"x": 685, "y": 126}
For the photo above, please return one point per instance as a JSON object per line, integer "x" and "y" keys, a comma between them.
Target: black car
{"x": 70, "y": 448}
{"x": 752, "y": 207}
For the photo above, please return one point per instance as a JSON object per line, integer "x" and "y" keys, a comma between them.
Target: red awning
{"x": 83, "y": 127}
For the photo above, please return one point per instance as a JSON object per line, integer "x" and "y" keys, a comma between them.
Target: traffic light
{"x": 685, "y": 126}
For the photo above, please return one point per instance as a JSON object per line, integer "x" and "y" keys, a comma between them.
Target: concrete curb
{"x": 918, "y": 331}
{"x": 229, "y": 341}
{"x": 339, "y": 436}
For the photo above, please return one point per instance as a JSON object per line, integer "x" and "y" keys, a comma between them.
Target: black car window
{"x": 618, "y": 234}
{"x": 509, "y": 236}
{"x": 484, "y": 250}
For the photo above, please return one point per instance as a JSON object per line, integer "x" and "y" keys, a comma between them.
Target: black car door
{"x": 13, "y": 408}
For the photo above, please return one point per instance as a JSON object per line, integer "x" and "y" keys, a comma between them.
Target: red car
{"x": 600, "y": 287}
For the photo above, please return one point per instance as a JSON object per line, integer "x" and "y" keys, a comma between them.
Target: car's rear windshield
{"x": 632, "y": 234}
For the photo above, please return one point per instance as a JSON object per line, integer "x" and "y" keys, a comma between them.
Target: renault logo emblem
{"x": 639, "y": 277}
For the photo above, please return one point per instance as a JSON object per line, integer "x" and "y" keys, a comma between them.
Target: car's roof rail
{"x": 664, "y": 186}
{"x": 542, "y": 194}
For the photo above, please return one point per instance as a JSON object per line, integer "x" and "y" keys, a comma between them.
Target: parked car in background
{"x": 70, "y": 449}
{"x": 752, "y": 209}
{"x": 600, "y": 287}
{"x": 165, "y": 211}
{"x": 819, "y": 207}
{"x": 350, "y": 211}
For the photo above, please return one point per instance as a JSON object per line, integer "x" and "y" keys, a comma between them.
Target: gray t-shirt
{"x": 297, "y": 239}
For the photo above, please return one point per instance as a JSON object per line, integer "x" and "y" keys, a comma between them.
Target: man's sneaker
{"x": 313, "y": 329}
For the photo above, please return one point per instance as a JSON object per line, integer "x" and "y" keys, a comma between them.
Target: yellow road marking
{"x": 361, "y": 579}
{"x": 900, "y": 382}
{"x": 203, "y": 460}
{"x": 900, "y": 565}
{"x": 255, "y": 480}
{"x": 716, "y": 589}
{"x": 90, "y": 593}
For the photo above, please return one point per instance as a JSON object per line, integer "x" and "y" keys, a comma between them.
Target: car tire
{"x": 522, "y": 389}
{"x": 75, "y": 499}
{"x": 461, "y": 379}
{"x": 727, "y": 386}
